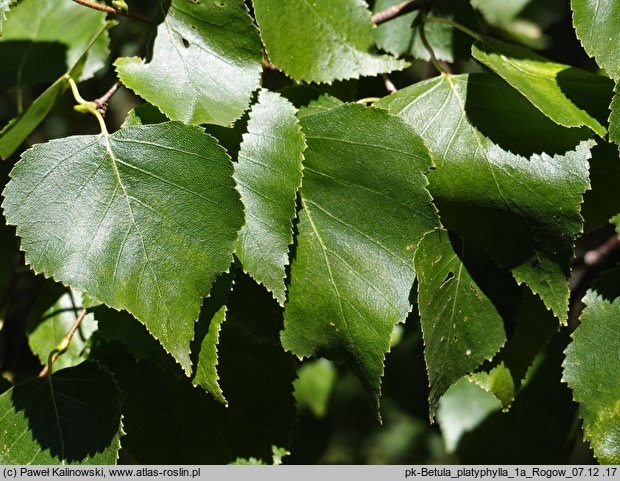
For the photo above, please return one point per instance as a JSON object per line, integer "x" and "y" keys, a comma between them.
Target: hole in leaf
{"x": 185, "y": 42}
{"x": 447, "y": 279}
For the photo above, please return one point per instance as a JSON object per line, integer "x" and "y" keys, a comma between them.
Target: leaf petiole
{"x": 455, "y": 25}
{"x": 84, "y": 106}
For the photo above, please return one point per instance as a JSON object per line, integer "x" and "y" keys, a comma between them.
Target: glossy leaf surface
{"x": 523, "y": 211}
{"x": 569, "y": 96}
{"x": 461, "y": 326}
{"x": 596, "y": 24}
{"x": 143, "y": 220}
{"x": 205, "y": 65}
{"x": 321, "y": 40}
{"x": 365, "y": 207}
{"x": 268, "y": 175}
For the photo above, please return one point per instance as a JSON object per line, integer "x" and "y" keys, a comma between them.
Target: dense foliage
{"x": 275, "y": 218}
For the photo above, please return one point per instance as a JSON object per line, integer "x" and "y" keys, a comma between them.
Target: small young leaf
{"x": 523, "y": 211}
{"x": 569, "y": 96}
{"x": 70, "y": 417}
{"x": 461, "y": 325}
{"x": 596, "y": 23}
{"x": 592, "y": 372}
{"x": 322, "y": 40}
{"x": 498, "y": 381}
{"x": 365, "y": 208}
{"x": 268, "y": 175}
{"x": 206, "y": 63}
{"x": 143, "y": 220}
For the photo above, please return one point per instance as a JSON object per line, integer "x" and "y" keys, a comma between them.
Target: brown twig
{"x": 109, "y": 9}
{"x": 102, "y": 102}
{"x": 64, "y": 343}
{"x": 401, "y": 9}
{"x": 268, "y": 65}
{"x": 598, "y": 255}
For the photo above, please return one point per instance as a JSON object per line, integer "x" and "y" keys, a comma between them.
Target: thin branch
{"x": 64, "y": 343}
{"x": 401, "y": 9}
{"x": 428, "y": 47}
{"x": 102, "y": 102}
{"x": 109, "y": 9}
{"x": 268, "y": 65}
{"x": 601, "y": 253}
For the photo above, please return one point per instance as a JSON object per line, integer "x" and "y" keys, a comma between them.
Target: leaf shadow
{"x": 66, "y": 416}
{"x": 508, "y": 119}
{"x": 26, "y": 63}
{"x": 591, "y": 93}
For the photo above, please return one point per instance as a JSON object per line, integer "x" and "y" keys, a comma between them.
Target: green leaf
{"x": 461, "y": 325}
{"x": 43, "y": 39}
{"x": 19, "y": 128}
{"x": 123, "y": 217}
{"x": 268, "y": 175}
{"x": 207, "y": 337}
{"x": 365, "y": 208}
{"x": 461, "y": 409}
{"x": 499, "y": 201}
{"x": 51, "y": 321}
{"x": 72, "y": 417}
{"x": 206, "y": 63}
{"x": 400, "y": 36}
{"x": 591, "y": 370}
{"x": 569, "y": 96}
{"x": 322, "y": 40}
{"x": 314, "y": 384}
{"x": 596, "y": 23}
